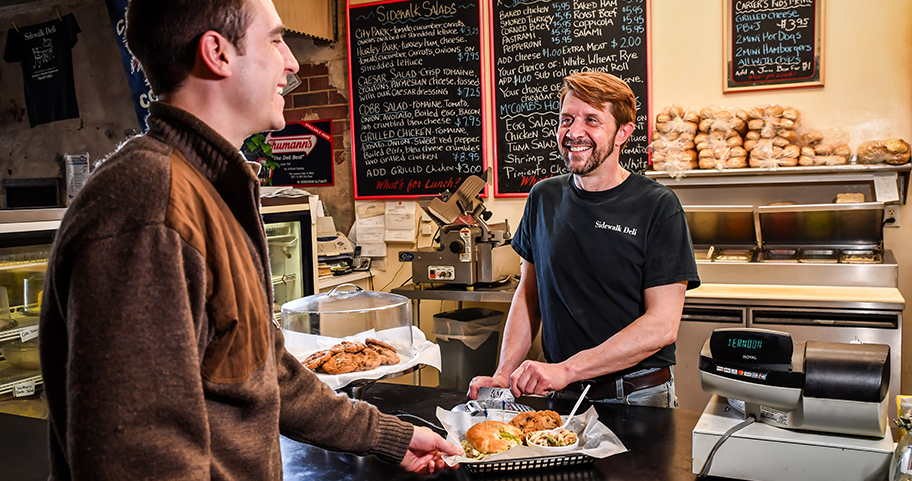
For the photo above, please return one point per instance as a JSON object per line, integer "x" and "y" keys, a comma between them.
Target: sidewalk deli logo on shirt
{"x": 616, "y": 227}
{"x": 292, "y": 143}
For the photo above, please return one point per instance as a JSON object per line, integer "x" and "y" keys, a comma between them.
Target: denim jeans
{"x": 661, "y": 396}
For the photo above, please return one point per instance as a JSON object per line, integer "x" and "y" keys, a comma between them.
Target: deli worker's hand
{"x": 533, "y": 377}
{"x": 425, "y": 451}
{"x": 498, "y": 380}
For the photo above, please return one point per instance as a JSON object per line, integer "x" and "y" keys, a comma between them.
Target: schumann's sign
{"x": 303, "y": 152}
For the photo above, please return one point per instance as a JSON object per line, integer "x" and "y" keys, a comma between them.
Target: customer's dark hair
{"x": 164, "y": 35}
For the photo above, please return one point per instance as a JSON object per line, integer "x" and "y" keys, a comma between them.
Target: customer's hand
{"x": 498, "y": 380}
{"x": 425, "y": 451}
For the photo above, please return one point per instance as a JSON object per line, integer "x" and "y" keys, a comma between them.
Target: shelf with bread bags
{"x": 879, "y": 182}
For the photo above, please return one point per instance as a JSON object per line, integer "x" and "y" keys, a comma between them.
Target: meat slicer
{"x": 820, "y": 408}
{"x": 466, "y": 250}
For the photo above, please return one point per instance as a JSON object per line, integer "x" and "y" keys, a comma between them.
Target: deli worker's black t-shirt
{"x": 44, "y": 51}
{"x": 594, "y": 255}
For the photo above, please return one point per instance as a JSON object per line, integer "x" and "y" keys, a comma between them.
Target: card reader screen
{"x": 752, "y": 346}
{"x": 748, "y": 343}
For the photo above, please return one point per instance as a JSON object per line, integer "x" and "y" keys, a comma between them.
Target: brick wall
{"x": 316, "y": 99}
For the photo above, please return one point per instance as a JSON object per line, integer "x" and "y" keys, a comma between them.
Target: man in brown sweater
{"x": 160, "y": 356}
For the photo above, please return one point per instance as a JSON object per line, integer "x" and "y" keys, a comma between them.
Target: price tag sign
{"x": 28, "y": 333}
{"x": 24, "y": 389}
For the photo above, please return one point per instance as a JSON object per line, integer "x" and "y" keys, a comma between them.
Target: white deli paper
{"x": 595, "y": 438}
{"x": 301, "y": 345}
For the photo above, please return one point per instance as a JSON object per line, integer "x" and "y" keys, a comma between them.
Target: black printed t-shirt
{"x": 596, "y": 252}
{"x": 44, "y": 51}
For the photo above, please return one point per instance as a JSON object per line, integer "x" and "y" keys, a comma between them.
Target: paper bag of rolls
{"x": 719, "y": 142}
{"x": 771, "y": 140}
{"x": 890, "y": 151}
{"x": 673, "y": 141}
{"x": 825, "y": 147}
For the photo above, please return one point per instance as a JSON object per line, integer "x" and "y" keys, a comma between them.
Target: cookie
{"x": 368, "y": 359}
{"x": 379, "y": 344}
{"x": 340, "y": 363}
{"x": 316, "y": 359}
{"x": 388, "y": 357}
{"x": 531, "y": 421}
{"x": 346, "y": 346}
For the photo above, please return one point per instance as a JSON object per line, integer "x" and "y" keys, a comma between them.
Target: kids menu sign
{"x": 773, "y": 44}
{"x": 536, "y": 44}
{"x": 415, "y": 73}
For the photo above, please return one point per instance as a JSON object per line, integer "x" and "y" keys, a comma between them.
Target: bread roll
{"x": 812, "y": 137}
{"x": 896, "y": 146}
{"x": 490, "y": 437}
{"x": 736, "y": 163}
{"x": 842, "y": 151}
{"x": 849, "y": 198}
{"x": 709, "y": 163}
{"x": 791, "y": 151}
{"x": 823, "y": 149}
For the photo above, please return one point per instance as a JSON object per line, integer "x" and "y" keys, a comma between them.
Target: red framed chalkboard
{"x": 535, "y": 45}
{"x": 773, "y": 44}
{"x": 416, "y": 102}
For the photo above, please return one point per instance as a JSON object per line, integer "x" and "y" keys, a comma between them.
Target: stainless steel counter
{"x": 450, "y": 292}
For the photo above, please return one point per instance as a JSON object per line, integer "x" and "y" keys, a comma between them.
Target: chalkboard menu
{"x": 415, "y": 73}
{"x": 773, "y": 44}
{"x": 536, "y": 44}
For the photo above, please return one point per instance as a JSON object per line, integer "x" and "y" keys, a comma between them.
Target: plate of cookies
{"x": 364, "y": 356}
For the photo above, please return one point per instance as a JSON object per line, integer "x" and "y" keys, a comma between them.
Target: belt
{"x": 607, "y": 388}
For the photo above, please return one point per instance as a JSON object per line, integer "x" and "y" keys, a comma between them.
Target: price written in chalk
{"x": 468, "y": 91}
{"x": 626, "y": 42}
{"x": 466, "y": 156}
{"x": 792, "y": 23}
{"x": 469, "y": 56}
{"x": 468, "y": 121}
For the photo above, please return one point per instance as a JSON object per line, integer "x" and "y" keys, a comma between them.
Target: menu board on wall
{"x": 536, "y": 44}
{"x": 773, "y": 44}
{"x": 415, "y": 77}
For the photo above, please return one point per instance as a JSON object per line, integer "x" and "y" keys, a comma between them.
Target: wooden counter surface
{"x": 762, "y": 294}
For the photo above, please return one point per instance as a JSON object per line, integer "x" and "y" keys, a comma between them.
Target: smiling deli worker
{"x": 607, "y": 258}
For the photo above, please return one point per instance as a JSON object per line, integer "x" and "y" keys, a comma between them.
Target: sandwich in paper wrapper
{"x": 301, "y": 345}
{"x": 595, "y": 439}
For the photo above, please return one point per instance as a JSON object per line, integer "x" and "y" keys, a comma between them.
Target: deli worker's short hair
{"x": 599, "y": 89}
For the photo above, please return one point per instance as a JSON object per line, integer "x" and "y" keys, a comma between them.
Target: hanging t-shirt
{"x": 44, "y": 51}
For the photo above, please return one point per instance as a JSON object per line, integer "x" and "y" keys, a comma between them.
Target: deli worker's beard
{"x": 596, "y": 157}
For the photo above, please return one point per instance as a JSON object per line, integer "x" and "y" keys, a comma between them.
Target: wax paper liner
{"x": 301, "y": 345}
{"x": 596, "y": 439}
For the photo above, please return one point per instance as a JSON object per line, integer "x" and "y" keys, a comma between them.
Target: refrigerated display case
{"x": 25, "y": 244}
{"x": 291, "y": 240}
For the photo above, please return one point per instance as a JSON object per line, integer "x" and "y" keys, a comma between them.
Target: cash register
{"x": 790, "y": 410}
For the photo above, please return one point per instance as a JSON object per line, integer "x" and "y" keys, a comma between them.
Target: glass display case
{"x": 291, "y": 240}
{"x": 25, "y": 244}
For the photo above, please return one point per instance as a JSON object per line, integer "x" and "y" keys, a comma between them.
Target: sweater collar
{"x": 210, "y": 153}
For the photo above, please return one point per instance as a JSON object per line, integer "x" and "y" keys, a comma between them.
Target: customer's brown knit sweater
{"x": 159, "y": 355}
